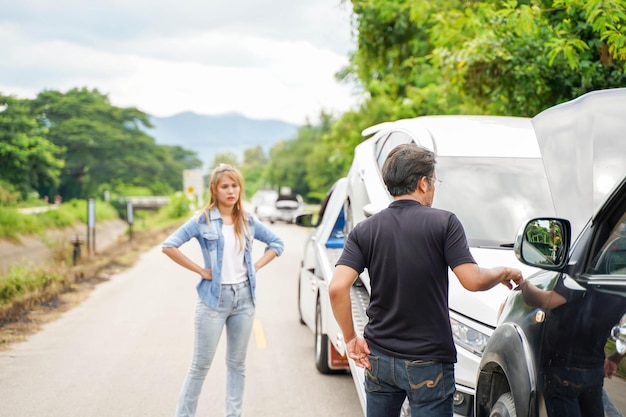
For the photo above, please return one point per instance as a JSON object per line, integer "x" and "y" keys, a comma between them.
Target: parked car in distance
{"x": 493, "y": 180}
{"x": 286, "y": 208}
{"x": 263, "y": 203}
{"x": 584, "y": 153}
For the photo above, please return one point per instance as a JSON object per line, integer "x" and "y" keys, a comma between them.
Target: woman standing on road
{"x": 227, "y": 287}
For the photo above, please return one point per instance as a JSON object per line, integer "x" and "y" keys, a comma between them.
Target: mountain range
{"x": 208, "y": 135}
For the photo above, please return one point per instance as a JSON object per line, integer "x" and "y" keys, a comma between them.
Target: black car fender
{"x": 507, "y": 365}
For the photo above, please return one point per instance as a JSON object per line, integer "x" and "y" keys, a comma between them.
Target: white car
{"x": 286, "y": 208}
{"x": 493, "y": 179}
{"x": 321, "y": 251}
{"x": 263, "y": 203}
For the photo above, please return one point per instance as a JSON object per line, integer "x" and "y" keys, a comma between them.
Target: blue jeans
{"x": 428, "y": 385}
{"x": 574, "y": 392}
{"x": 609, "y": 406}
{"x": 236, "y": 312}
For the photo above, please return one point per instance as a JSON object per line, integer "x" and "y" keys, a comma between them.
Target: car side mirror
{"x": 544, "y": 243}
{"x": 304, "y": 220}
{"x": 619, "y": 335}
{"x": 370, "y": 209}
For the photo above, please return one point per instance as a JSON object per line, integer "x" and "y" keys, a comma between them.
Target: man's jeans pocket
{"x": 429, "y": 380}
{"x": 372, "y": 383}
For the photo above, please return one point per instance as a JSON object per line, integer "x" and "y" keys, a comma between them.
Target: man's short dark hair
{"x": 404, "y": 167}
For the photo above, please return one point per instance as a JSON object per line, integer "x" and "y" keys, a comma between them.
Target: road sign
{"x": 193, "y": 185}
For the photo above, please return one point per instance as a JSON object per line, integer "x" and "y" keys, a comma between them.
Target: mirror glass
{"x": 305, "y": 220}
{"x": 543, "y": 243}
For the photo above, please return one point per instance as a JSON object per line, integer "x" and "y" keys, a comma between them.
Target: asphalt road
{"x": 125, "y": 350}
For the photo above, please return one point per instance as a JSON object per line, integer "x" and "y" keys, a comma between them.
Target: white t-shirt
{"x": 233, "y": 265}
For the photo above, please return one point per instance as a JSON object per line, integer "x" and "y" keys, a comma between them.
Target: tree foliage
{"x": 306, "y": 163}
{"x": 28, "y": 161}
{"x": 78, "y": 145}
{"x": 488, "y": 57}
{"x": 105, "y": 146}
{"x": 519, "y": 58}
{"x": 419, "y": 57}
{"x": 255, "y": 161}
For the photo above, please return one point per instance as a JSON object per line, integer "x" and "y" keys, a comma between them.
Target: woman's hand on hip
{"x": 206, "y": 274}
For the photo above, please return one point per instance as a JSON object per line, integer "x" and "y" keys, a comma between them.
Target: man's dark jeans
{"x": 574, "y": 392}
{"x": 428, "y": 385}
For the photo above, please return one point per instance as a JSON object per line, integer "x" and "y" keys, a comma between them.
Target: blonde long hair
{"x": 240, "y": 220}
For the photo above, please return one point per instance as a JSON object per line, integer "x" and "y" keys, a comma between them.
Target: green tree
{"x": 228, "y": 157}
{"x": 519, "y": 58}
{"x": 254, "y": 166}
{"x": 486, "y": 57}
{"x": 325, "y": 162}
{"x": 27, "y": 160}
{"x": 106, "y": 146}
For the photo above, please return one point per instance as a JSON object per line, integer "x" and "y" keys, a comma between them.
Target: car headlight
{"x": 469, "y": 338}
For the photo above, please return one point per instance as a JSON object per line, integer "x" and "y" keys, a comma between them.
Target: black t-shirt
{"x": 407, "y": 249}
{"x": 576, "y": 332}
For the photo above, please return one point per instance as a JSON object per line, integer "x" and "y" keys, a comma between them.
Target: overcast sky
{"x": 265, "y": 59}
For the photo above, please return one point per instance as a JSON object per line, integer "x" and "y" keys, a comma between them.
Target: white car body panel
{"x": 318, "y": 268}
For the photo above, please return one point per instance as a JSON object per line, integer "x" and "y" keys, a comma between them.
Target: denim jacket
{"x": 211, "y": 242}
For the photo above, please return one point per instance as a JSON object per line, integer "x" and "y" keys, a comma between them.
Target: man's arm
{"x": 475, "y": 278}
{"x": 339, "y": 292}
{"x": 536, "y": 297}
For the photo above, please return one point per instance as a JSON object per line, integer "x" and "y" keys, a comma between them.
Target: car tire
{"x": 322, "y": 344}
{"x": 504, "y": 407}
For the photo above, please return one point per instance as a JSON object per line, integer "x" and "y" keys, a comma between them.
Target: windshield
{"x": 492, "y": 196}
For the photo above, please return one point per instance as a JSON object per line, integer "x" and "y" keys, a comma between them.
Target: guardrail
{"x": 39, "y": 209}
{"x": 152, "y": 202}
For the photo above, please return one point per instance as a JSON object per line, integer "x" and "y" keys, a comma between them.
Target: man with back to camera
{"x": 407, "y": 348}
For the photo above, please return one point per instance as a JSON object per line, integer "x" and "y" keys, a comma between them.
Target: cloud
{"x": 264, "y": 59}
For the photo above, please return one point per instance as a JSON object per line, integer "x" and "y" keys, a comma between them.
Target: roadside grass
{"x": 27, "y": 285}
{"x": 28, "y": 279}
{"x": 13, "y": 223}
{"x": 32, "y": 294}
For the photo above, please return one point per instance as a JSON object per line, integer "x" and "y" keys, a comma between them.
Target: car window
{"x": 385, "y": 145}
{"x": 492, "y": 196}
{"x": 323, "y": 206}
{"x": 611, "y": 258}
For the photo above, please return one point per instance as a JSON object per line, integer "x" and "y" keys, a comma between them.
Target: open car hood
{"x": 583, "y": 143}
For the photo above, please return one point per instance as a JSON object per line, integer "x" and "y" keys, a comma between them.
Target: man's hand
{"x": 610, "y": 368}
{"x": 358, "y": 350}
{"x": 512, "y": 274}
{"x": 611, "y": 362}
